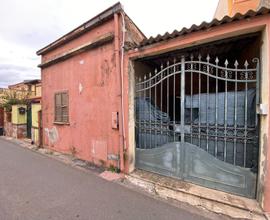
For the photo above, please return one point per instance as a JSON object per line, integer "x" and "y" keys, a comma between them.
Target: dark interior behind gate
{"x": 196, "y": 114}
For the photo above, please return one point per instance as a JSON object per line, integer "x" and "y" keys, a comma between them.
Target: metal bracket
{"x": 262, "y": 109}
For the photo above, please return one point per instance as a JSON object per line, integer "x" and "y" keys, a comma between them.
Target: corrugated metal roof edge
{"x": 202, "y": 26}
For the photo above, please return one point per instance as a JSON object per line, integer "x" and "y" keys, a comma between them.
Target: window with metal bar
{"x": 61, "y": 114}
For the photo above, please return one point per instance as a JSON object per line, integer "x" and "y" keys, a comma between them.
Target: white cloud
{"x": 29, "y": 25}
{"x": 17, "y": 62}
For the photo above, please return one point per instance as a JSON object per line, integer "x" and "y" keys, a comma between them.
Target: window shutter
{"x": 61, "y": 107}
{"x": 65, "y": 107}
{"x": 64, "y": 99}
{"x": 64, "y": 114}
{"x": 58, "y": 117}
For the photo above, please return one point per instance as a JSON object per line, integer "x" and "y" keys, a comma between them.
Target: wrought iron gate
{"x": 197, "y": 121}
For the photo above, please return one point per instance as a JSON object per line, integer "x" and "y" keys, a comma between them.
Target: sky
{"x": 28, "y": 25}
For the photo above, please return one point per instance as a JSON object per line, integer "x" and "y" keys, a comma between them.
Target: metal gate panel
{"x": 197, "y": 121}
{"x": 198, "y": 167}
{"x": 204, "y": 169}
{"x": 160, "y": 160}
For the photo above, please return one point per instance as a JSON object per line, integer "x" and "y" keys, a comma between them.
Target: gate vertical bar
{"x": 174, "y": 70}
{"x": 207, "y": 104}
{"x": 139, "y": 115}
{"x": 180, "y": 148}
{"x": 144, "y": 112}
{"x": 191, "y": 99}
{"x": 168, "y": 93}
{"x": 216, "y": 110}
{"x": 235, "y": 112}
{"x": 256, "y": 60}
{"x": 183, "y": 99}
{"x": 156, "y": 120}
{"x": 150, "y": 111}
{"x": 225, "y": 111}
{"x": 199, "y": 133}
{"x": 245, "y": 127}
{"x": 161, "y": 102}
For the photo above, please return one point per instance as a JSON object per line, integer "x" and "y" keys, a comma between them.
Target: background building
{"x": 231, "y": 7}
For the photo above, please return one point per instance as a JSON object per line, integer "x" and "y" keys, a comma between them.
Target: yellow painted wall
{"x": 35, "y": 109}
{"x": 35, "y": 134}
{"x": 38, "y": 90}
{"x": 33, "y": 88}
{"x": 18, "y": 118}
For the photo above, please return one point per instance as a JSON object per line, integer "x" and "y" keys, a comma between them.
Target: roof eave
{"x": 95, "y": 21}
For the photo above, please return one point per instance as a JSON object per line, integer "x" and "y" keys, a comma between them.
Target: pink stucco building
{"x": 192, "y": 104}
{"x": 81, "y": 100}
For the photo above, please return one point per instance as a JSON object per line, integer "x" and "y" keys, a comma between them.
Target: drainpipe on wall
{"x": 118, "y": 70}
{"x": 122, "y": 83}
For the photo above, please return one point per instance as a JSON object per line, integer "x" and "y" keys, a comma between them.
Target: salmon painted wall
{"x": 231, "y": 7}
{"x": 93, "y": 86}
{"x": 242, "y": 6}
{"x": 106, "y": 27}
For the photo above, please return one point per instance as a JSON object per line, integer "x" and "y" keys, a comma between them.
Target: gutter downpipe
{"x": 118, "y": 71}
{"x": 122, "y": 83}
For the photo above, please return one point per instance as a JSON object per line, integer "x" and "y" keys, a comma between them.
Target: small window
{"x": 61, "y": 107}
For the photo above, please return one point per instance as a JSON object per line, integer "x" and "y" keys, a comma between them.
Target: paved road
{"x": 33, "y": 186}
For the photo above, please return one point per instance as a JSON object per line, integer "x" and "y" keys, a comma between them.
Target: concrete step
{"x": 212, "y": 200}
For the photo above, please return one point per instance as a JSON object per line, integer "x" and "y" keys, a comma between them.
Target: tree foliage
{"x": 13, "y": 97}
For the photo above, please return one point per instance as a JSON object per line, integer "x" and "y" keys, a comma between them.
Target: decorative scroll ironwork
{"x": 206, "y": 104}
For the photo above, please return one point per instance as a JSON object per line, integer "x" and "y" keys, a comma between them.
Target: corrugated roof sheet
{"x": 203, "y": 26}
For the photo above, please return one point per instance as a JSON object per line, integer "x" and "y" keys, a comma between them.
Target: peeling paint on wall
{"x": 52, "y": 134}
{"x": 80, "y": 88}
{"x": 103, "y": 76}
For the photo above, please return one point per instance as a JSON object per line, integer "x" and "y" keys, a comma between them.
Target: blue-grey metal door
{"x": 196, "y": 120}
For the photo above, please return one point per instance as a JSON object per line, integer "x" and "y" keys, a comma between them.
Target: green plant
{"x": 114, "y": 169}
{"x": 14, "y": 97}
